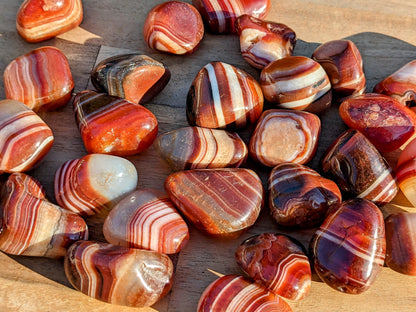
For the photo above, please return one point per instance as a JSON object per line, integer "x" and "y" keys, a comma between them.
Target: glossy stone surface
{"x": 401, "y": 243}
{"x": 222, "y": 203}
{"x": 30, "y": 225}
{"x": 296, "y": 82}
{"x": 383, "y": 120}
{"x": 38, "y": 20}
{"x": 406, "y": 172}
{"x": 135, "y": 77}
{"x": 349, "y": 248}
{"x": 401, "y": 85}
{"x": 200, "y": 148}
{"x": 358, "y": 168}
{"x": 276, "y": 262}
{"x": 220, "y": 15}
{"x": 119, "y": 275}
{"x": 238, "y": 294}
{"x": 94, "y": 183}
{"x": 223, "y": 96}
{"x": 285, "y": 136}
{"x": 41, "y": 79}
{"x": 146, "y": 219}
{"x": 173, "y": 26}
{"x": 300, "y": 196}
{"x": 112, "y": 125}
{"x": 262, "y": 42}
{"x": 344, "y": 66}
{"x": 25, "y": 138}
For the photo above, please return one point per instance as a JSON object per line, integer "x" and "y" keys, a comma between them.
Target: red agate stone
{"x": 401, "y": 243}
{"x": 296, "y": 82}
{"x": 146, "y": 219}
{"x": 38, "y": 20}
{"x": 137, "y": 78}
{"x": 349, "y": 248}
{"x": 401, "y": 85}
{"x": 343, "y": 63}
{"x": 200, "y": 148}
{"x": 276, "y": 262}
{"x": 238, "y": 294}
{"x": 299, "y": 196}
{"x": 173, "y": 26}
{"x": 41, "y": 79}
{"x": 382, "y": 119}
{"x": 358, "y": 168}
{"x": 119, "y": 275}
{"x": 285, "y": 136}
{"x": 30, "y": 225}
{"x": 223, "y": 96}
{"x": 406, "y": 172}
{"x": 25, "y": 138}
{"x": 222, "y": 203}
{"x": 220, "y": 15}
{"x": 112, "y": 125}
{"x": 262, "y": 42}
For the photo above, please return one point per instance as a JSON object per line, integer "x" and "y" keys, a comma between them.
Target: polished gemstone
{"x": 30, "y": 225}
{"x": 285, "y": 136}
{"x": 401, "y": 243}
{"x": 146, "y": 219}
{"x": 262, "y": 42}
{"x": 406, "y": 172}
{"x": 237, "y": 294}
{"x": 25, "y": 138}
{"x": 200, "y": 148}
{"x": 296, "y": 82}
{"x": 349, "y": 248}
{"x": 135, "y": 77}
{"x": 343, "y": 63}
{"x": 222, "y": 203}
{"x": 119, "y": 275}
{"x": 94, "y": 183}
{"x": 358, "y": 168}
{"x": 223, "y": 96}
{"x": 38, "y": 20}
{"x": 112, "y": 125}
{"x": 299, "y": 196}
{"x": 220, "y": 15}
{"x": 383, "y": 120}
{"x": 173, "y": 26}
{"x": 276, "y": 262}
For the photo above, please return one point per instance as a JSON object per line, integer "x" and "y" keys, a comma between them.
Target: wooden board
{"x": 382, "y": 30}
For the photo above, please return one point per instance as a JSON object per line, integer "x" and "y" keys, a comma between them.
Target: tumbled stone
{"x": 400, "y": 242}
{"x": 285, "y": 136}
{"x": 200, "y": 148}
{"x": 135, "y": 77}
{"x": 300, "y": 196}
{"x": 358, "y": 168}
{"x": 41, "y": 79}
{"x": 112, "y": 125}
{"x": 146, "y": 219}
{"x": 296, "y": 82}
{"x": 119, "y": 275}
{"x": 30, "y": 225}
{"x": 173, "y": 26}
{"x": 343, "y": 63}
{"x": 406, "y": 172}
{"x": 38, "y": 20}
{"x": 94, "y": 183}
{"x": 276, "y": 262}
{"x": 25, "y": 138}
{"x": 382, "y": 119}
{"x": 223, "y": 96}
{"x": 220, "y": 15}
{"x": 222, "y": 203}
{"x": 262, "y": 42}
{"x": 349, "y": 248}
